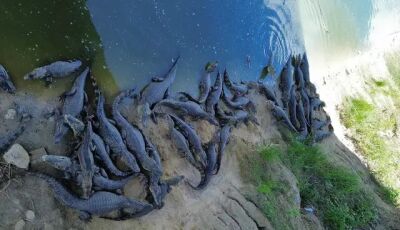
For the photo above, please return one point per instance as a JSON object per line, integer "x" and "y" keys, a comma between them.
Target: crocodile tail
{"x": 96, "y": 88}
{"x": 60, "y": 192}
{"x": 205, "y": 179}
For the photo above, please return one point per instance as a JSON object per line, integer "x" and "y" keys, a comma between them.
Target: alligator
{"x": 236, "y": 117}
{"x": 100, "y": 203}
{"x": 187, "y": 108}
{"x": 292, "y": 107}
{"x": 299, "y": 78}
{"x": 267, "y": 92}
{"x": 316, "y": 103}
{"x": 5, "y": 81}
{"x": 76, "y": 125}
{"x": 103, "y": 156}
{"x": 236, "y": 102}
{"x": 182, "y": 145}
{"x": 302, "y": 120}
{"x": 103, "y": 183}
{"x": 204, "y": 87}
{"x": 304, "y": 66}
{"x": 224, "y": 136}
{"x": 214, "y": 95}
{"x": 165, "y": 187}
{"x": 112, "y": 138}
{"x": 193, "y": 139}
{"x": 234, "y": 88}
{"x": 136, "y": 144}
{"x": 286, "y": 82}
{"x": 9, "y": 139}
{"x": 207, "y": 173}
{"x": 318, "y": 124}
{"x": 306, "y": 104}
{"x": 280, "y": 114}
{"x": 155, "y": 91}
{"x": 69, "y": 167}
{"x": 86, "y": 162}
{"x": 73, "y": 104}
{"x": 58, "y": 69}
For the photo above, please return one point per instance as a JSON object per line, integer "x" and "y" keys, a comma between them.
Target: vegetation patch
{"x": 335, "y": 192}
{"x": 371, "y": 131}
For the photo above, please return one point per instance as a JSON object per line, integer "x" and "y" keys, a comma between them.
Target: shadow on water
{"x": 36, "y": 33}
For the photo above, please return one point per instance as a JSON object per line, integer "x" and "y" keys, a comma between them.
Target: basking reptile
{"x": 58, "y": 69}
{"x": 112, "y": 138}
{"x": 306, "y": 104}
{"x": 207, "y": 173}
{"x": 316, "y": 103}
{"x": 182, "y": 145}
{"x": 286, "y": 82}
{"x": 155, "y": 91}
{"x": 280, "y": 114}
{"x": 304, "y": 66}
{"x": 5, "y": 81}
{"x": 267, "y": 92}
{"x": 103, "y": 156}
{"x": 237, "y": 102}
{"x": 73, "y": 104}
{"x": 300, "y": 115}
{"x": 9, "y": 139}
{"x": 234, "y": 88}
{"x": 103, "y": 183}
{"x": 136, "y": 144}
{"x": 292, "y": 107}
{"x": 236, "y": 117}
{"x": 224, "y": 136}
{"x": 74, "y": 124}
{"x": 320, "y": 135}
{"x": 187, "y": 108}
{"x": 100, "y": 203}
{"x": 205, "y": 83}
{"x": 86, "y": 162}
{"x": 193, "y": 139}
{"x": 214, "y": 95}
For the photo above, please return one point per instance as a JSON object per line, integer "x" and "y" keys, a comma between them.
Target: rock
{"x": 17, "y": 156}
{"x": 10, "y": 115}
{"x": 29, "y": 215}
{"x": 19, "y": 225}
{"x": 36, "y": 158}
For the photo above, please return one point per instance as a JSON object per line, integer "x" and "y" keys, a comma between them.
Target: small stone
{"x": 17, "y": 156}
{"x": 29, "y": 215}
{"x": 19, "y": 225}
{"x": 10, "y": 115}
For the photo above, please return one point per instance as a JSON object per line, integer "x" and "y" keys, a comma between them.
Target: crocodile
{"x": 207, "y": 173}
{"x": 234, "y": 88}
{"x": 300, "y": 116}
{"x": 112, "y": 138}
{"x": 320, "y": 135}
{"x": 304, "y": 66}
{"x": 286, "y": 82}
{"x": 155, "y": 91}
{"x": 103, "y": 156}
{"x": 103, "y": 183}
{"x": 73, "y": 104}
{"x": 182, "y": 145}
{"x": 76, "y": 125}
{"x": 280, "y": 114}
{"x": 86, "y": 162}
{"x": 100, "y": 203}
{"x": 204, "y": 86}
{"x": 193, "y": 139}
{"x": 5, "y": 81}
{"x": 224, "y": 136}
{"x": 318, "y": 124}
{"x": 239, "y": 102}
{"x": 292, "y": 108}
{"x": 214, "y": 95}
{"x": 299, "y": 78}
{"x": 187, "y": 108}
{"x": 267, "y": 92}
{"x": 58, "y": 69}
{"x": 236, "y": 117}
{"x": 136, "y": 144}
{"x": 316, "y": 103}
{"x": 9, "y": 139}
{"x": 306, "y": 103}
{"x": 69, "y": 167}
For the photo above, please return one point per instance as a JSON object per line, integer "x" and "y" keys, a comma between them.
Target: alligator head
{"x": 36, "y": 74}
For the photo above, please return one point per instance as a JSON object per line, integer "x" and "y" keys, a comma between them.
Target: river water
{"x": 128, "y": 42}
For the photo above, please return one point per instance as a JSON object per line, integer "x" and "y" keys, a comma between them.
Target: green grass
{"x": 36, "y": 33}
{"x": 366, "y": 123}
{"x": 393, "y": 65}
{"x": 335, "y": 192}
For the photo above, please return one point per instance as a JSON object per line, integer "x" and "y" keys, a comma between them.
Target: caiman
{"x": 5, "y": 81}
